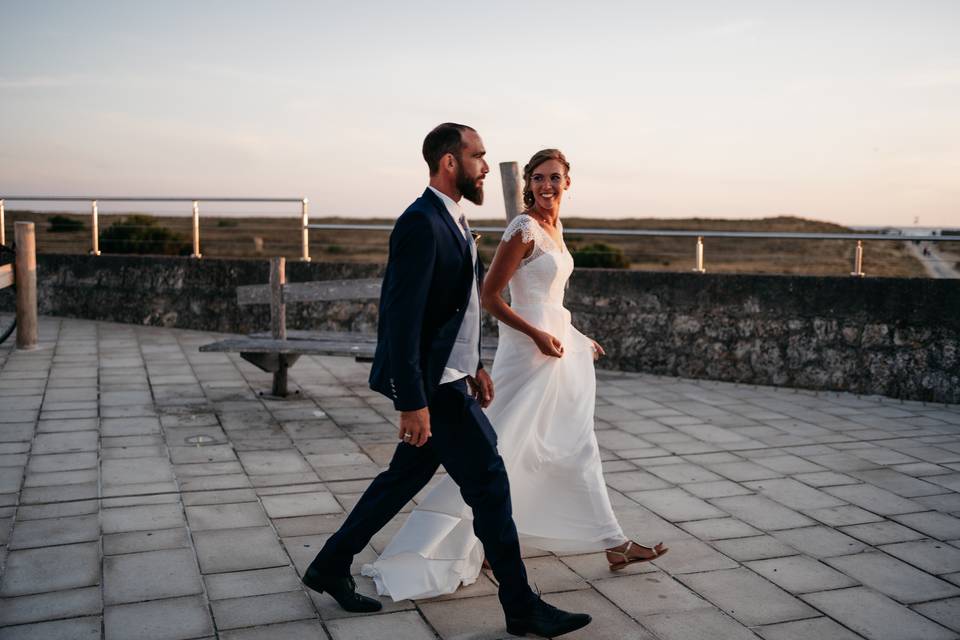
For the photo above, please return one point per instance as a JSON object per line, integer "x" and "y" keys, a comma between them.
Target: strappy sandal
{"x": 657, "y": 549}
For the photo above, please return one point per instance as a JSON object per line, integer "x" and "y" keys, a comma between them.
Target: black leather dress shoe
{"x": 343, "y": 589}
{"x": 546, "y": 620}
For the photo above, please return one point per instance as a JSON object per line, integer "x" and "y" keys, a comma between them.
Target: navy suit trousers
{"x": 466, "y": 445}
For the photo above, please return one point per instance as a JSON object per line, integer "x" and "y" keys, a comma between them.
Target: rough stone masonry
{"x": 896, "y": 337}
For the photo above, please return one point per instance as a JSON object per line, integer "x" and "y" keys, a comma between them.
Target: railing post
{"x": 305, "y": 232}
{"x": 858, "y": 261}
{"x": 25, "y": 275}
{"x": 512, "y": 189}
{"x": 699, "y": 268}
{"x": 3, "y": 226}
{"x": 95, "y": 228}
{"x": 196, "y": 230}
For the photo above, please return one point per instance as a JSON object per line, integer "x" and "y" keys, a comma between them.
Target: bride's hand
{"x": 598, "y": 351}
{"x": 548, "y": 345}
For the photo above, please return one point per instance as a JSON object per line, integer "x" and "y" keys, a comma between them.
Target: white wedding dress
{"x": 543, "y": 415}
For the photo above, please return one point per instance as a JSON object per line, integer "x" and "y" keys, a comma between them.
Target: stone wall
{"x": 894, "y": 337}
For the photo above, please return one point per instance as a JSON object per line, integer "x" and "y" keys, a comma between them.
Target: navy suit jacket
{"x": 423, "y": 299}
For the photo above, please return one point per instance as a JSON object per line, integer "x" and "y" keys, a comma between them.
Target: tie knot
{"x": 463, "y": 222}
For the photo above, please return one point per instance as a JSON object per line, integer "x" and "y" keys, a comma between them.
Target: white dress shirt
{"x": 473, "y": 305}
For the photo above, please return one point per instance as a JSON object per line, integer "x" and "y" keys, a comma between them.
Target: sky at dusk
{"x": 839, "y": 110}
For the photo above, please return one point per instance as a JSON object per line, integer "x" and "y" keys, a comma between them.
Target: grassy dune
{"x": 269, "y": 236}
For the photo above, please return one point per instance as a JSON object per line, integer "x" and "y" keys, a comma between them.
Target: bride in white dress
{"x": 543, "y": 414}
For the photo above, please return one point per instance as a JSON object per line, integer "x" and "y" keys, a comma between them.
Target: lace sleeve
{"x": 522, "y": 224}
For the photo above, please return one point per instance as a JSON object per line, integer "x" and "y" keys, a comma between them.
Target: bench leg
{"x": 280, "y": 379}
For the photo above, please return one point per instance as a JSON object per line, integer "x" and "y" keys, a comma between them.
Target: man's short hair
{"x": 445, "y": 138}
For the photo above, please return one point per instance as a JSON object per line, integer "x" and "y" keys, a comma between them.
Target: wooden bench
{"x": 278, "y": 350}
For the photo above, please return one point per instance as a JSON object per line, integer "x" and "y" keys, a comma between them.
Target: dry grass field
{"x": 270, "y": 236}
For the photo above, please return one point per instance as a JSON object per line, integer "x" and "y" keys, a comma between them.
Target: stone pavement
{"x": 148, "y": 492}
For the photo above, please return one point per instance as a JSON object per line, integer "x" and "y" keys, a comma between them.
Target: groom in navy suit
{"x": 428, "y": 362}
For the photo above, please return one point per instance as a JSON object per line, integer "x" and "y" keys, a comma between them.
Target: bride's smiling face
{"x": 547, "y": 183}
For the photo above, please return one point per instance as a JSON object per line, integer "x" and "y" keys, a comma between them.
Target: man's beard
{"x": 468, "y": 187}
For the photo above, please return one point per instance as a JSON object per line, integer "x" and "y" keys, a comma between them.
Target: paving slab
{"x": 299, "y": 630}
{"x": 609, "y": 623}
{"x": 747, "y": 597}
{"x": 793, "y": 494}
{"x": 931, "y": 556}
{"x": 875, "y": 616}
{"x": 878, "y": 533}
{"x": 843, "y": 515}
{"x": 226, "y": 516}
{"x": 273, "y": 462}
{"x": 54, "y": 531}
{"x": 87, "y": 628}
{"x": 944, "y": 612}
{"x": 142, "y": 518}
{"x": 262, "y": 609}
{"x": 806, "y": 629}
{"x": 676, "y": 504}
{"x": 301, "y": 504}
{"x": 761, "y": 512}
{"x": 402, "y": 624}
{"x": 755, "y": 548}
{"x": 151, "y": 540}
{"x": 238, "y": 549}
{"x": 800, "y": 574}
{"x": 702, "y": 624}
{"x": 50, "y": 606}
{"x": 65, "y": 442}
{"x": 719, "y": 529}
{"x": 241, "y": 584}
{"x": 820, "y": 542}
{"x": 171, "y": 619}
{"x": 875, "y": 499}
{"x": 150, "y": 575}
{"x": 899, "y": 483}
{"x": 649, "y": 593}
{"x": 50, "y": 569}
{"x": 936, "y": 525}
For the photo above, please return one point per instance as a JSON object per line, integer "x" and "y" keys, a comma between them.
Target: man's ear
{"x": 449, "y": 162}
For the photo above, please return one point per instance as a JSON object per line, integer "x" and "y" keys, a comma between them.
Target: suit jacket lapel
{"x": 447, "y": 218}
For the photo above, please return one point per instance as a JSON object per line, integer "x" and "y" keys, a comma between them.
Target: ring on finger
{"x": 407, "y": 436}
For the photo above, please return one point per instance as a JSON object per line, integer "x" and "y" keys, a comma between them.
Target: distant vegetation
{"x": 272, "y": 235}
{"x": 142, "y": 235}
{"x": 599, "y": 255}
{"x": 227, "y": 223}
{"x": 63, "y": 224}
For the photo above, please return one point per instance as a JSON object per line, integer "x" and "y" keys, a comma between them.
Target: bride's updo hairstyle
{"x": 538, "y": 159}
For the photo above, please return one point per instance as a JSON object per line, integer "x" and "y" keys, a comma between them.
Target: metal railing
{"x": 95, "y": 214}
{"x": 305, "y": 227}
{"x": 699, "y": 266}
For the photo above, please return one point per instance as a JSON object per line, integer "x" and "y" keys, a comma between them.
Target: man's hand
{"x": 481, "y": 386}
{"x": 415, "y": 427}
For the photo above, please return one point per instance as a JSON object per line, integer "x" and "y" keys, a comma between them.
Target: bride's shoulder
{"x": 522, "y": 224}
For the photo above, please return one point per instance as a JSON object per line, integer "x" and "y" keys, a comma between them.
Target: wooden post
{"x": 95, "y": 228}
{"x": 3, "y": 227}
{"x": 26, "y": 279}
{"x": 278, "y": 320}
{"x": 196, "y": 230}
{"x": 512, "y": 189}
{"x": 305, "y": 232}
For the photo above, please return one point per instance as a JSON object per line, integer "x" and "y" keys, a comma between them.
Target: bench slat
{"x": 360, "y": 346}
{"x": 301, "y": 347}
{"x": 317, "y": 291}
